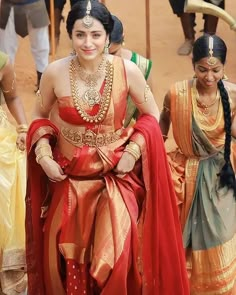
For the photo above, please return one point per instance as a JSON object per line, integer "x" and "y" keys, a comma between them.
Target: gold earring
{"x": 106, "y": 48}
{"x": 194, "y": 76}
{"x": 225, "y": 77}
{"x": 73, "y": 52}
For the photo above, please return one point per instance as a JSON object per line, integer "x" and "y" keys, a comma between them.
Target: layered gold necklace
{"x": 91, "y": 96}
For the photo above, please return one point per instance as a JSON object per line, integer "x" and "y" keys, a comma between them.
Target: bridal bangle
{"x": 134, "y": 149}
{"x": 43, "y": 150}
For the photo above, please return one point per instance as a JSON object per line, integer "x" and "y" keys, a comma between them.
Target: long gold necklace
{"x": 105, "y": 98}
{"x": 91, "y": 96}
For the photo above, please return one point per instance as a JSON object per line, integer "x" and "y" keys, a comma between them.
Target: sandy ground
{"x": 166, "y": 36}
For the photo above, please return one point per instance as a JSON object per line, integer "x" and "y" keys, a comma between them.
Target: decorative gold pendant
{"x": 92, "y": 97}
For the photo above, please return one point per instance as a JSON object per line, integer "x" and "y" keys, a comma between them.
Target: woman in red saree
{"x": 101, "y": 211}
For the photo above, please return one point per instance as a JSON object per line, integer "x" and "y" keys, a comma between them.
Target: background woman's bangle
{"x": 22, "y": 128}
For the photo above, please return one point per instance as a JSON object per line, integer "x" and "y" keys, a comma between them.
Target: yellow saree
{"x": 207, "y": 212}
{"x": 12, "y": 208}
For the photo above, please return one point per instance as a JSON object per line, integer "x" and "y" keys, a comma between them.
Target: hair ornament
{"x": 211, "y": 61}
{"x": 88, "y": 20}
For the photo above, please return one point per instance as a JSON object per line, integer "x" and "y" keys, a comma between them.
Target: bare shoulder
{"x": 58, "y": 66}
{"x": 131, "y": 67}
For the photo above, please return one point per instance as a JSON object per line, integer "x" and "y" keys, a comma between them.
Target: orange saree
{"x": 94, "y": 232}
{"x": 207, "y": 211}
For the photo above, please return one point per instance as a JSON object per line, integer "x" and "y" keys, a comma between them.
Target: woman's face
{"x": 208, "y": 75}
{"x": 88, "y": 43}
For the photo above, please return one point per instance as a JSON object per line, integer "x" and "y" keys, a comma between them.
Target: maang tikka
{"x": 88, "y": 19}
{"x": 211, "y": 59}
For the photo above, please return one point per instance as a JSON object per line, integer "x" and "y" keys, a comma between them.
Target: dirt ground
{"x": 166, "y": 36}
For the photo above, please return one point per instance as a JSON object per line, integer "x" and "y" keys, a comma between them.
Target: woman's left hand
{"x": 21, "y": 141}
{"x": 125, "y": 165}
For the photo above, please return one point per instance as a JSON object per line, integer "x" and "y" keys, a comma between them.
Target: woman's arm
{"x": 8, "y": 86}
{"x": 46, "y": 95}
{"x": 140, "y": 91}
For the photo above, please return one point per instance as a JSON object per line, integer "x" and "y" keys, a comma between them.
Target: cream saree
{"x": 12, "y": 207}
{"x": 207, "y": 212}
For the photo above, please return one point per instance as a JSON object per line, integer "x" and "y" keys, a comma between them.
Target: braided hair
{"x": 201, "y": 50}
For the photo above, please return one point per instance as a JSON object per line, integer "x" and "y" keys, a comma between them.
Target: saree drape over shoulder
{"x": 95, "y": 233}
{"x": 207, "y": 212}
{"x": 12, "y": 207}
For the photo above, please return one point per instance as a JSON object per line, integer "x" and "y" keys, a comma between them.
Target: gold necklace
{"x": 91, "y": 96}
{"x": 204, "y": 108}
{"x": 105, "y": 98}
{"x": 202, "y": 119}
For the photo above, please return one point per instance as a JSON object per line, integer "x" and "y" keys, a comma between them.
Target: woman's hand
{"x": 21, "y": 141}
{"x": 125, "y": 165}
{"x": 52, "y": 169}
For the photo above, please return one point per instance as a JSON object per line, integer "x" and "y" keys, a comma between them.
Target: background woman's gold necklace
{"x": 205, "y": 108}
{"x": 92, "y": 96}
{"x": 202, "y": 117}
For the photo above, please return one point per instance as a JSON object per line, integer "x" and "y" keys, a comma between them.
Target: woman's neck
{"x": 91, "y": 66}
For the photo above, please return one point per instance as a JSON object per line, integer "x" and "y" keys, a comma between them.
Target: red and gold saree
{"x": 94, "y": 232}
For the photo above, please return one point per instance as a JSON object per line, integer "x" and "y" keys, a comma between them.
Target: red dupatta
{"x": 37, "y": 188}
{"x": 164, "y": 265}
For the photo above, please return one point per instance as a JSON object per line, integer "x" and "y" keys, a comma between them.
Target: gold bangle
{"x": 22, "y": 128}
{"x": 40, "y": 156}
{"x": 42, "y": 145}
{"x": 43, "y": 150}
{"x": 134, "y": 149}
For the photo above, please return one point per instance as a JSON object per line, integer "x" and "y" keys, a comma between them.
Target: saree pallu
{"x": 207, "y": 211}
{"x": 103, "y": 234}
{"x": 12, "y": 210}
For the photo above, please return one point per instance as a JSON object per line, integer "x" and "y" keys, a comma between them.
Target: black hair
{"x": 117, "y": 34}
{"x": 99, "y": 11}
{"x": 201, "y": 50}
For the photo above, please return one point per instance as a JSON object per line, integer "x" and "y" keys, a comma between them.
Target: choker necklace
{"x": 204, "y": 108}
{"x": 91, "y": 96}
{"x": 105, "y": 98}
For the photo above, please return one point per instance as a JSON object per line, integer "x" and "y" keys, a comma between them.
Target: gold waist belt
{"x": 89, "y": 138}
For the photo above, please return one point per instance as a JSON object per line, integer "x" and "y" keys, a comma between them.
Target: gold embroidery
{"x": 89, "y": 138}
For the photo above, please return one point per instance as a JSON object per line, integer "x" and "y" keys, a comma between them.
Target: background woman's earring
{"x": 194, "y": 76}
{"x": 225, "y": 77}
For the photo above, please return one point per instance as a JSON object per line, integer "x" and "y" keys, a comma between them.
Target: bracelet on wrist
{"x": 134, "y": 149}
{"x": 22, "y": 128}
{"x": 43, "y": 150}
